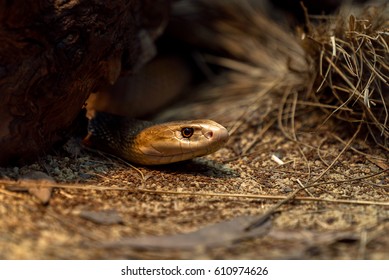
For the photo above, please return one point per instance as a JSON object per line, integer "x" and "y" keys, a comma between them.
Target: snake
{"x": 149, "y": 143}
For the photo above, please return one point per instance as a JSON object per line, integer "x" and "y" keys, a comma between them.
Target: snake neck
{"x": 112, "y": 133}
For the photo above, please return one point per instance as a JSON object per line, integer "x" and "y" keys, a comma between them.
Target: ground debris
{"x": 37, "y": 183}
{"x": 223, "y": 233}
{"x": 105, "y": 217}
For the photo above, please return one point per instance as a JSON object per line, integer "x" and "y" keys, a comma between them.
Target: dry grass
{"x": 351, "y": 51}
{"x": 338, "y": 65}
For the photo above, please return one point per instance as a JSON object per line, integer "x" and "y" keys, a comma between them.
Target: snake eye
{"x": 187, "y": 132}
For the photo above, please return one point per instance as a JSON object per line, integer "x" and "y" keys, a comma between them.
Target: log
{"x": 54, "y": 53}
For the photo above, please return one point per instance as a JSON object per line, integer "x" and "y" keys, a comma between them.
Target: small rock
{"x": 286, "y": 189}
{"x": 44, "y": 185}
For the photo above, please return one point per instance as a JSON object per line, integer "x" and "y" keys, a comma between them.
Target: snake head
{"x": 147, "y": 143}
{"x": 178, "y": 141}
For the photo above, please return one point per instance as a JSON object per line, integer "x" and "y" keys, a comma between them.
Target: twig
{"x": 107, "y": 155}
{"x": 271, "y": 211}
{"x": 339, "y": 155}
{"x": 224, "y": 195}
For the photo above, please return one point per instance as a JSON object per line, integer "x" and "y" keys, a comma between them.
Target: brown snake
{"x": 148, "y": 143}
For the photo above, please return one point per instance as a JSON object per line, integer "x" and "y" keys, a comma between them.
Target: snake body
{"x": 148, "y": 143}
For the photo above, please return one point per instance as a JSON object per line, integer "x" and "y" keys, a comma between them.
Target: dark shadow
{"x": 199, "y": 166}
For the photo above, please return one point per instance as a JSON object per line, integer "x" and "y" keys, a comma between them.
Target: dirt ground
{"x": 264, "y": 196}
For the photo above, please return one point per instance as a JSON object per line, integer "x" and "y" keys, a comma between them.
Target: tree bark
{"x": 54, "y": 53}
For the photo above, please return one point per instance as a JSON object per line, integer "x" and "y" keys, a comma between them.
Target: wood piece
{"x": 53, "y": 54}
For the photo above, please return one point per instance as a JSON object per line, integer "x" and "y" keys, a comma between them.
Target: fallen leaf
{"x": 106, "y": 217}
{"x": 222, "y": 233}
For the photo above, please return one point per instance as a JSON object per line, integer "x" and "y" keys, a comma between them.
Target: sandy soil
{"x": 322, "y": 202}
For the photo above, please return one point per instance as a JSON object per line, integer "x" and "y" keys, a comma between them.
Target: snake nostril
{"x": 208, "y": 134}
